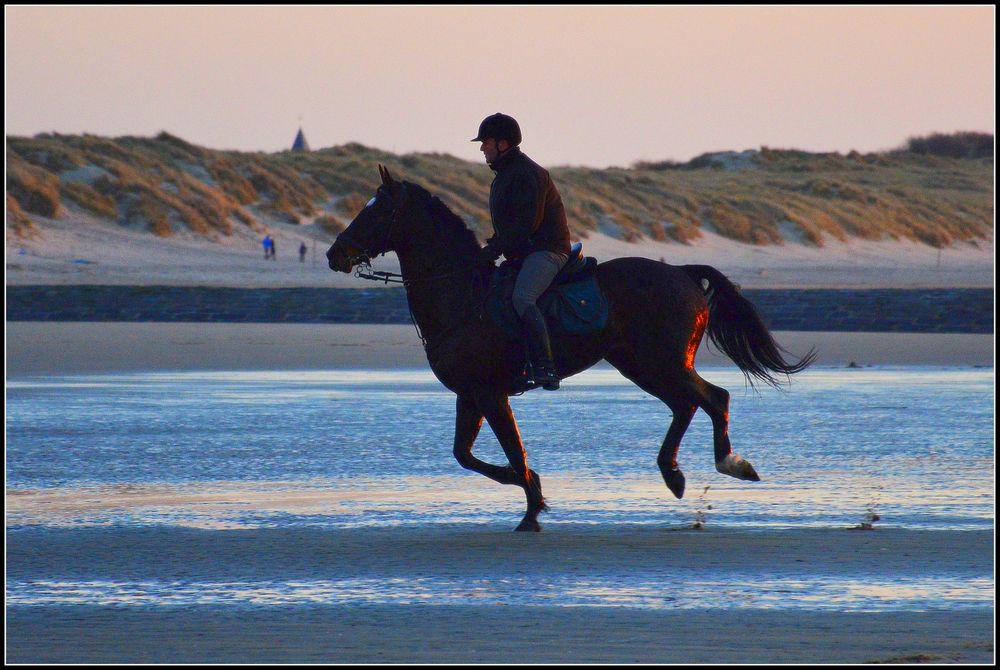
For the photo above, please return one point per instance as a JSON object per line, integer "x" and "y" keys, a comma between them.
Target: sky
{"x": 590, "y": 86}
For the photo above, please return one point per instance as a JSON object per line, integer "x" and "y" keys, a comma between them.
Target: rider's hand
{"x": 487, "y": 256}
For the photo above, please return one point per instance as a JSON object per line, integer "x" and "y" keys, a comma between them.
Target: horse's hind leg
{"x": 715, "y": 401}
{"x": 681, "y": 401}
{"x": 684, "y": 391}
{"x": 667, "y": 458}
{"x": 469, "y": 418}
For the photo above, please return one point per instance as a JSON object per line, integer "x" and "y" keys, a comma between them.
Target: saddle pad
{"x": 575, "y": 307}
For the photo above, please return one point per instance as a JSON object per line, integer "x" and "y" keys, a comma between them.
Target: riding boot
{"x": 539, "y": 349}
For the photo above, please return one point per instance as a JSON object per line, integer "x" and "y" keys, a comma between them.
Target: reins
{"x": 394, "y": 278}
{"x": 364, "y": 269}
{"x": 385, "y": 277}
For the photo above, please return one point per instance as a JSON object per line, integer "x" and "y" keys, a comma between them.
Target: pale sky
{"x": 593, "y": 86}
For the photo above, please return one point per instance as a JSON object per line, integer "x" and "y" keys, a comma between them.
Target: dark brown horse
{"x": 658, "y": 313}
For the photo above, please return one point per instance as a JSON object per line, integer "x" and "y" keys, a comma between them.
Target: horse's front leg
{"x": 497, "y": 411}
{"x": 468, "y": 421}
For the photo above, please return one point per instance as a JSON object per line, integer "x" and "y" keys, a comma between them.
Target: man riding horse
{"x": 529, "y": 224}
{"x": 657, "y": 315}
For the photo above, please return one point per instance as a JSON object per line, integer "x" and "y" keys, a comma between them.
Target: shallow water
{"x": 914, "y": 446}
{"x": 817, "y": 593}
{"x": 901, "y": 448}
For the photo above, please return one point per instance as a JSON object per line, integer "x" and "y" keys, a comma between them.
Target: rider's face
{"x": 491, "y": 148}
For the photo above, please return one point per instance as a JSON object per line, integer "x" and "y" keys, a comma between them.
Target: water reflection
{"x": 237, "y": 449}
{"x": 818, "y": 593}
{"x": 579, "y": 497}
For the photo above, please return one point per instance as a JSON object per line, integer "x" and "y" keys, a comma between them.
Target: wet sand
{"x": 416, "y": 632}
{"x": 470, "y": 634}
{"x": 38, "y": 348}
{"x": 413, "y": 632}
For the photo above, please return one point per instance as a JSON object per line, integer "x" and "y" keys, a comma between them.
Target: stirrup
{"x": 546, "y": 377}
{"x": 523, "y": 384}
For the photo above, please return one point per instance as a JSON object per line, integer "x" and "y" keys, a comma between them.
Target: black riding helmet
{"x": 499, "y": 127}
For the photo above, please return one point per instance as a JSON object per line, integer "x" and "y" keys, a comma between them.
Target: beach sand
{"x": 470, "y": 634}
{"x": 39, "y": 348}
{"x": 415, "y": 632}
{"x": 492, "y": 633}
{"x": 78, "y": 249}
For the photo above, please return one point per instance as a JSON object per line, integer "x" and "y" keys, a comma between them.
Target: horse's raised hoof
{"x": 734, "y": 466}
{"x": 675, "y": 482}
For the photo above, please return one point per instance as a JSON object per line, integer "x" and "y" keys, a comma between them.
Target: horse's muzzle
{"x": 340, "y": 257}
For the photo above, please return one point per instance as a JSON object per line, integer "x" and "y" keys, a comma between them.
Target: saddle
{"x": 572, "y": 305}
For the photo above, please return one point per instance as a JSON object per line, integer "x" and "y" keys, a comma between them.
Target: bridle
{"x": 363, "y": 260}
{"x": 365, "y": 257}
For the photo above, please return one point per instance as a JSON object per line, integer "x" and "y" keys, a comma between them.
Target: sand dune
{"x": 81, "y": 250}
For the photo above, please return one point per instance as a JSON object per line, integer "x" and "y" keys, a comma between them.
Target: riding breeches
{"x": 537, "y": 272}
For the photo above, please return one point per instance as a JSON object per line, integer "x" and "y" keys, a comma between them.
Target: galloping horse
{"x": 658, "y": 314}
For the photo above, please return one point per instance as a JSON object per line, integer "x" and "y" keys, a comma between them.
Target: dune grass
{"x": 35, "y": 189}
{"x": 17, "y": 221}
{"x": 937, "y": 191}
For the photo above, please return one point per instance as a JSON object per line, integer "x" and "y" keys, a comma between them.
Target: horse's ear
{"x": 388, "y": 181}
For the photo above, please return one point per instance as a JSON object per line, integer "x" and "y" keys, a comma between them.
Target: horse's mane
{"x": 451, "y": 225}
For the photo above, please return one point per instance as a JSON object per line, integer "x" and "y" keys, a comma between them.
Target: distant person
{"x": 302, "y": 252}
{"x": 272, "y": 250}
{"x": 529, "y": 226}
{"x": 267, "y": 246}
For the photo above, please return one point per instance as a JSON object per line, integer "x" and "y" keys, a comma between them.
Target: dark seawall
{"x": 837, "y": 310}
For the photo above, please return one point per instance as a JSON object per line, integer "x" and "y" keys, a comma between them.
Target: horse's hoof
{"x": 734, "y": 466}
{"x": 675, "y": 482}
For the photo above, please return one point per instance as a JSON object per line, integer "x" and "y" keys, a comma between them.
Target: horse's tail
{"x": 735, "y": 327}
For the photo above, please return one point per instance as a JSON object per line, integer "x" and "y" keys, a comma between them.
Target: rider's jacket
{"x": 527, "y": 212}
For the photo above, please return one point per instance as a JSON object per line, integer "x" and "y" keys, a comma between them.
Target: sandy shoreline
{"x": 166, "y": 559}
{"x": 496, "y": 632}
{"x": 470, "y": 634}
{"x": 402, "y": 631}
{"x": 48, "y": 348}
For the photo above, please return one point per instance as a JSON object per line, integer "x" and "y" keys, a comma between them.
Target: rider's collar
{"x": 505, "y": 158}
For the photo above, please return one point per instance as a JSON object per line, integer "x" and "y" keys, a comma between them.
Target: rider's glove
{"x": 488, "y": 255}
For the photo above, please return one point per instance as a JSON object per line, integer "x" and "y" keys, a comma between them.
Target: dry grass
{"x": 759, "y": 197}
{"x": 35, "y": 189}
{"x": 93, "y": 201}
{"x": 146, "y": 212}
{"x": 329, "y": 224}
{"x": 955, "y": 145}
{"x": 17, "y": 221}
{"x": 900, "y": 196}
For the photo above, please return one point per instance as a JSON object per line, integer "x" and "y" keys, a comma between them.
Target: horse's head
{"x": 374, "y": 230}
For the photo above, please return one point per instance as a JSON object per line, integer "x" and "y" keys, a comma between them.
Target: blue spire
{"x": 300, "y": 143}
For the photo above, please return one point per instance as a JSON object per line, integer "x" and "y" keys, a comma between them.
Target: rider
{"x": 529, "y": 224}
